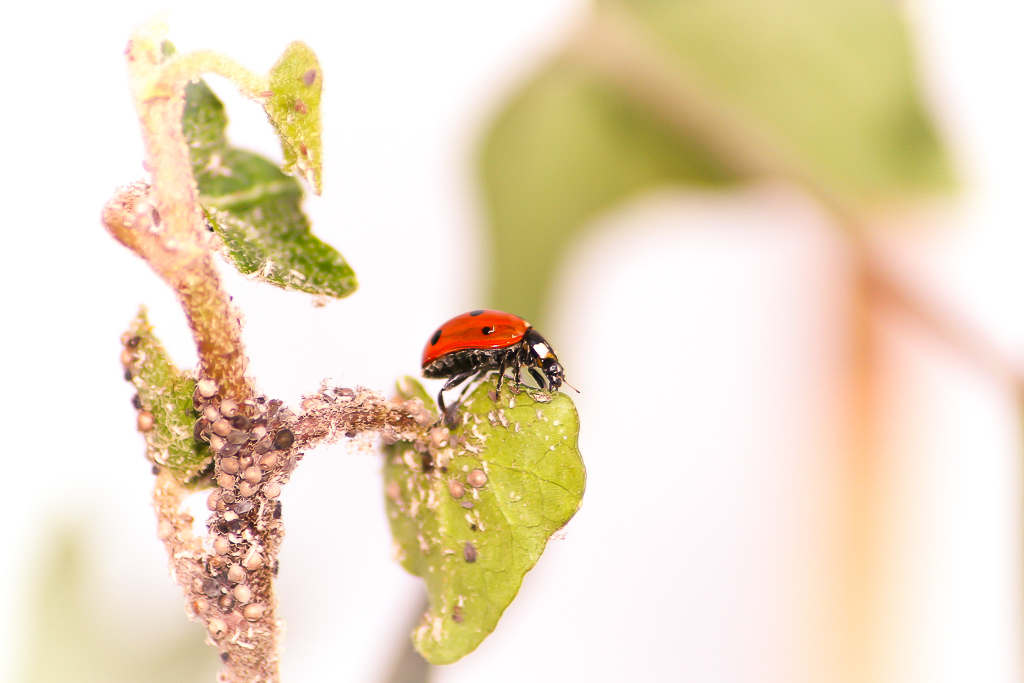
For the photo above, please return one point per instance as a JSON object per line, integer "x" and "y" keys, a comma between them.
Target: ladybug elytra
{"x": 481, "y": 341}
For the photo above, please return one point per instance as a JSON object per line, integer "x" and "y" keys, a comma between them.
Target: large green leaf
{"x": 166, "y": 412}
{"x": 692, "y": 93}
{"x": 567, "y": 147}
{"x": 475, "y": 517}
{"x": 830, "y": 84}
{"x": 256, "y": 208}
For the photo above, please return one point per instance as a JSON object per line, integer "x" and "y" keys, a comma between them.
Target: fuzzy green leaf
{"x": 294, "y": 109}
{"x": 165, "y": 394}
{"x": 255, "y": 208}
{"x": 472, "y": 545}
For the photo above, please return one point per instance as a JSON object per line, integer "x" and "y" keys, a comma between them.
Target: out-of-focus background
{"x": 798, "y": 375}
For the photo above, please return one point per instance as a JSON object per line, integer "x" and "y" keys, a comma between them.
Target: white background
{"x": 708, "y": 345}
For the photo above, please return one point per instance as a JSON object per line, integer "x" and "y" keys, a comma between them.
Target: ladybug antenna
{"x": 570, "y": 386}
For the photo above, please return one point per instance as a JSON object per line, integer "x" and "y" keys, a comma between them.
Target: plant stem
{"x": 231, "y": 590}
{"x": 176, "y": 245}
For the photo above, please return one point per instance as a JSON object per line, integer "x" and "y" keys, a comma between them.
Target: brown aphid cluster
{"x": 335, "y": 412}
{"x": 254, "y": 443}
{"x": 253, "y": 456}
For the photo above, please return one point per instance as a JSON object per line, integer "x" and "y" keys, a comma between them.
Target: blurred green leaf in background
{"x": 656, "y": 93}
{"x": 76, "y": 635}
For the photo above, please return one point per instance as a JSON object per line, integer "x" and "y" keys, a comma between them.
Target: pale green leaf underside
{"x": 165, "y": 393}
{"x": 535, "y": 481}
{"x": 294, "y": 109}
{"x": 255, "y": 208}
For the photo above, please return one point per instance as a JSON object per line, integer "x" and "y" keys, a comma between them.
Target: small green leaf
{"x": 476, "y": 518}
{"x": 165, "y": 395}
{"x": 294, "y": 109}
{"x": 255, "y": 208}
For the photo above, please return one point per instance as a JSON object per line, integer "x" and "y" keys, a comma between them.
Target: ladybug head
{"x": 542, "y": 355}
{"x": 553, "y": 371}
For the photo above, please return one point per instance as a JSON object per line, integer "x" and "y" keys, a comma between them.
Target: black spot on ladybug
{"x": 477, "y": 312}
{"x": 487, "y": 330}
{"x": 437, "y": 335}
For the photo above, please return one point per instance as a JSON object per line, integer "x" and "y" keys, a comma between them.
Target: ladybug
{"x": 481, "y": 341}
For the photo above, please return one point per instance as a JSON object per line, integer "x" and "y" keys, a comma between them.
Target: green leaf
{"x": 566, "y": 148}
{"x": 165, "y": 395}
{"x": 472, "y": 545}
{"x": 831, "y": 84}
{"x": 656, "y": 93}
{"x": 294, "y": 109}
{"x": 255, "y": 208}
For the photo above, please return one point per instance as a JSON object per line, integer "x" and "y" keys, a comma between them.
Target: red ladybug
{"x": 481, "y": 341}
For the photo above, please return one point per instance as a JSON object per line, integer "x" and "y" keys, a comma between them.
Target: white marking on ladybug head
{"x": 542, "y": 350}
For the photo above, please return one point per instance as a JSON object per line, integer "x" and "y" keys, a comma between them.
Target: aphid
{"x": 482, "y": 341}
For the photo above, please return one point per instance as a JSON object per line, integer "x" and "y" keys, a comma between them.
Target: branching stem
{"x": 227, "y": 578}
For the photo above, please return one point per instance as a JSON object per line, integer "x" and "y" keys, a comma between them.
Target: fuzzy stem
{"x": 230, "y": 590}
{"x": 176, "y": 245}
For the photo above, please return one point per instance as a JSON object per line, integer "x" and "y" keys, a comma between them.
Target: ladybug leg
{"x": 470, "y": 383}
{"x": 501, "y": 375}
{"x": 452, "y": 382}
{"x": 517, "y": 369}
{"x": 540, "y": 378}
